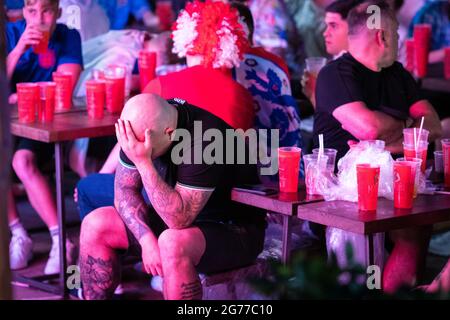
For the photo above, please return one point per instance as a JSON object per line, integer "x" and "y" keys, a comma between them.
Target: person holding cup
{"x": 309, "y": 78}
{"x": 336, "y": 43}
{"x": 25, "y": 64}
{"x": 366, "y": 95}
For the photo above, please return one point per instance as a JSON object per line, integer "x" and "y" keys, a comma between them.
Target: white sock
{"x": 54, "y": 232}
{"x": 17, "y": 229}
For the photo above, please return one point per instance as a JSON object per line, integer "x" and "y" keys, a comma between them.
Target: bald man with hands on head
{"x": 189, "y": 223}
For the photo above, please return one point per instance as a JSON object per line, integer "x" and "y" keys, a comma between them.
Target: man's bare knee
{"x": 95, "y": 226}
{"x": 24, "y": 164}
{"x": 171, "y": 245}
{"x": 186, "y": 245}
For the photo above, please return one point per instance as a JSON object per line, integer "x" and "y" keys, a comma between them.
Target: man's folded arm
{"x": 431, "y": 122}
{"x": 365, "y": 124}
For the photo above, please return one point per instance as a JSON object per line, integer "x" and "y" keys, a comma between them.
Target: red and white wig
{"x": 212, "y": 30}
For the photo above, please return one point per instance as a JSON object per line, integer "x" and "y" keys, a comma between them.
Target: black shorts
{"x": 229, "y": 245}
{"x": 43, "y": 151}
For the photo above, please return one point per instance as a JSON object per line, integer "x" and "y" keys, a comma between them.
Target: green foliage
{"x": 315, "y": 278}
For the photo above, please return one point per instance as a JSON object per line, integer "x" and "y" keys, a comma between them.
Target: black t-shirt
{"x": 217, "y": 177}
{"x": 345, "y": 80}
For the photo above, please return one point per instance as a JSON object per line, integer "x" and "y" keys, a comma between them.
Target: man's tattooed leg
{"x": 191, "y": 291}
{"x": 99, "y": 276}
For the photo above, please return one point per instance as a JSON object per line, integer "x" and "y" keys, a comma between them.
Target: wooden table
{"x": 279, "y": 203}
{"x": 427, "y": 210}
{"x": 66, "y": 126}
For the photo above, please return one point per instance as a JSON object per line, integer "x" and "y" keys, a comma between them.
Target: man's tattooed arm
{"x": 177, "y": 207}
{"x": 129, "y": 202}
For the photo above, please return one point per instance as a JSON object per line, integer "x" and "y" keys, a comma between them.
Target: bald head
{"x": 372, "y": 33}
{"x": 364, "y": 18}
{"x": 149, "y": 111}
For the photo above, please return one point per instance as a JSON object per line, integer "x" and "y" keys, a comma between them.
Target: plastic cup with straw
{"x": 313, "y": 172}
{"x": 424, "y": 159}
{"x": 314, "y": 165}
{"x": 321, "y": 147}
{"x": 419, "y": 148}
{"x": 417, "y": 136}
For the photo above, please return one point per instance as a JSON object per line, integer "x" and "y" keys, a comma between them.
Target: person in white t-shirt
{"x": 87, "y": 16}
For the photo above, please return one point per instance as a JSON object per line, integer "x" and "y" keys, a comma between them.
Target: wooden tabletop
{"x": 427, "y": 210}
{"x": 66, "y": 126}
{"x": 284, "y": 203}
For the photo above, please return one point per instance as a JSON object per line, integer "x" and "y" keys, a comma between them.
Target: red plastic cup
{"x": 63, "y": 94}
{"x": 446, "y": 153}
{"x": 410, "y": 55}
{"x": 416, "y": 169}
{"x": 410, "y": 152}
{"x": 165, "y": 14}
{"x": 46, "y": 109}
{"x": 42, "y": 46}
{"x": 95, "y": 98}
{"x": 447, "y": 63}
{"x": 115, "y": 88}
{"x": 422, "y": 37}
{"x": 404, "y": 178}
{"x": 147, "y": 66}
{"x": 367, "y": 179}
{"x": 288, "y": 167}
{"x": 115, "y": 94}
{"x": 27, "y": 100}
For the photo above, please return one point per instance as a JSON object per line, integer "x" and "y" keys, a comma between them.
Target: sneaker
{"x": 52, "y": 266}
{"x": 119, "y": 290}
{"x": 20, "y": 251}
{"x": 78, "y": 293}
{"x": 157, "y": 283}
{"x": 440, "y": 244}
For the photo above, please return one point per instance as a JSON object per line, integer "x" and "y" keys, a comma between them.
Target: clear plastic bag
{"x": 344, "y": 185}
{"x": 336, "y": 240}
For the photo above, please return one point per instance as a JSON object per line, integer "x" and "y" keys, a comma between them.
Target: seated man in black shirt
{"x": 190, "y": 225}
{"x": 365, "y": 95}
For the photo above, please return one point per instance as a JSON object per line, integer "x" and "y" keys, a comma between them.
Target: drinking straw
{"x": 415, "y": 140}
{"x": 420, "y": 132}
{"x": 320, "y": 147}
